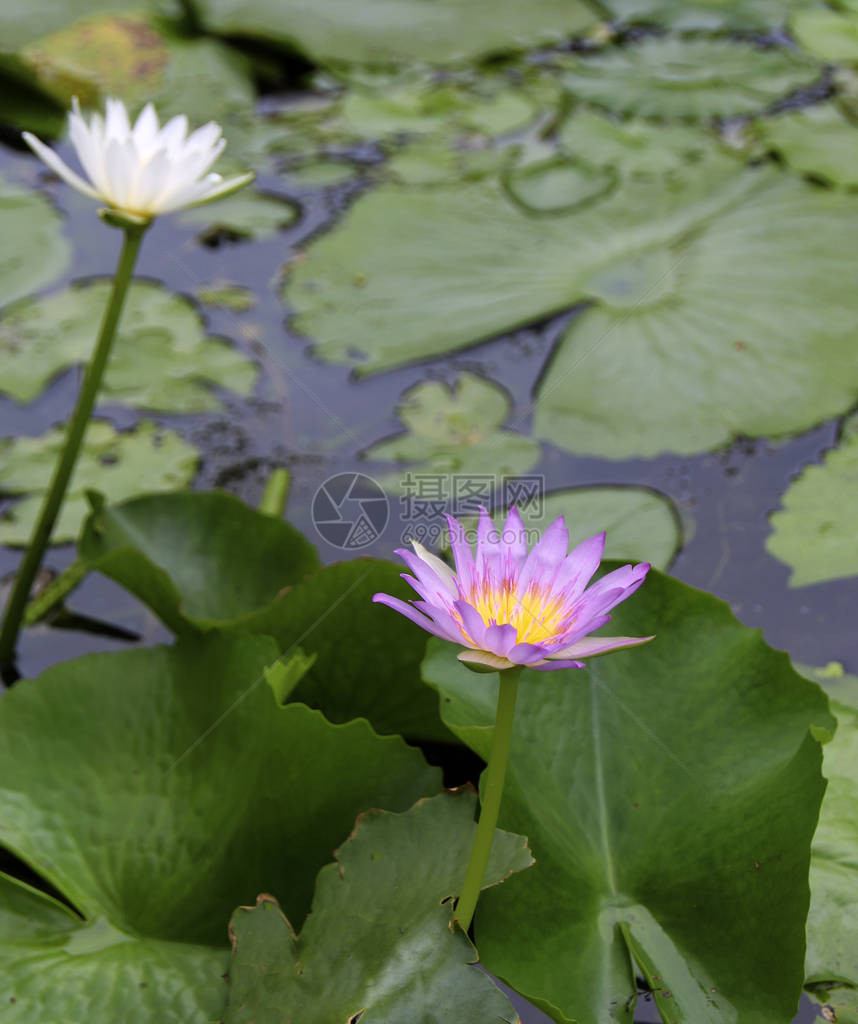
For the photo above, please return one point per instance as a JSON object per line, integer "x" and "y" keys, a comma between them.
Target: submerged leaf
{"x": 118, "y": 464}
{"x": 378, "y": 944}
{"x": 162, "y": 358}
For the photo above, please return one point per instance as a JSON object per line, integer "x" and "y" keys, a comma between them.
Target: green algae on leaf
{"x": 815, "y": 531}
{"x": 35, "y": 250}
{"x": 654, "y": 787}
{"x": 670, "y": 77}
{"x": 455, "y": 430}
{"x": 163, "y": 359}
{"x": 118, "y": 464}
{"x": 385, "y": 905}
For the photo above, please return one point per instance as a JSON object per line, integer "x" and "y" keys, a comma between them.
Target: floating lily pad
{"x": 161, "y": 359}
{"x": 735, "y": 15}
{"x": 695, "y": 78}
{"x": 147, "y": 458}
{"x": 456, "y": 430}
{"x": 22, "y": 22}
{"x": 829, "y": 35}
{"x": 633, "y": 146}
{"x": 640, "y": 525}
{"x": 322, "y": 174}
{"x": 818, "y": 141}
{"x": 35, "y": 250}
{"x": 436, "y": 161}
{"x": 180, "y": 757}
{"x": 670, "y": 795}
{"x": 379, "y": 32}
{"x": 247, "y": 214}
{"x": 558, "y": 185}
{"x": 816, "y": 532}
{"x": 674, "y": 357}
{"x": 234, "y": 297}
{"x": 385, "y": 903}
{"x": 413, "y": 272}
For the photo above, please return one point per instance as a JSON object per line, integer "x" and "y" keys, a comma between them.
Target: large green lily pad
{"x": 378, "y": 943}
{"x": 412, "y": 272}
{"x": 162, "y": 358}
{"x": 817, "y": 141}
{"x": 696, "y": 78}
{"x": 673, "y": 357}
{"x": 640, "y": 525}
{"x": 118, "y": 464}
{"x": 58, "y": 967}
{"x": 815, "y": 532}
{"x": 156, "y": 790}
{"x": 247, "y": 214}
{"x": 35, "y": 251}
{"x": 203, "y": 561}
{"x": 199, "y": 560}
{"x": 398, "y": 31}
{"x": 670, "y": 794}
{"x": 455, "y": 430}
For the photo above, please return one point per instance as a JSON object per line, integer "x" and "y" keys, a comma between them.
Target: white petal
{"x": 153, "y": 183}
{"x": 117, "y": 125}
{"x": 204, "y": 138}
{"x": 58, "y": 166}
{"x": 192, "y": 166}
{"x": 439, "y": 567}
{"x": 120, "y": 158}
{"x": 226, "y": 187}
{"x": 172, "y": 135}
{"x": 146, "y": 129}
{"x": 90, "y": 155}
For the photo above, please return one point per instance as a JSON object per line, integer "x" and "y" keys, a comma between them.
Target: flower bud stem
{"x": 78, "y": 423}
{"x": 491, "y": 802}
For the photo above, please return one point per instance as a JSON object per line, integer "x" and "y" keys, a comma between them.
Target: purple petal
{"x": 514, "y": 536}
{"x": 527, "y": 654}
{"x": 547, "y": 666}
{"x": 473, "y": 623}
{"x": 547, "y": 555}
{"x": 628, "y": 578}
{"x": 462, "y": 555}
{"x": 500, "y": 639}
{"x": 580, "y": 564}
{"x": 429, "y": 576}
{"x": 595, "y": 645}
{"x": 412, "y": 613}
{"x": 488, "y": 547}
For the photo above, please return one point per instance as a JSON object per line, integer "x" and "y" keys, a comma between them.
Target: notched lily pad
{"x": 118, "y": 464}
{"x": 558, "y": 185}
{"x": 162, "y": 359}
{"x": 821, "y": 142}
{"x": 385, "y": 904}
{"x": 688, "y": 78}
{"x": 456, "y": 429}
{"x": 670, "y": 794}
{"x": 815, "y": 532}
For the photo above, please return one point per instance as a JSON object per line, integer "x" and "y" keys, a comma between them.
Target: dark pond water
{"x": 316, "y": 420}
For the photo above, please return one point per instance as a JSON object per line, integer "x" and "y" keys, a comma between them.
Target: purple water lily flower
{"x": 509, "y": 607}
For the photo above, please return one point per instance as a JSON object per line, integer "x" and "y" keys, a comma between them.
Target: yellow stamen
{"x": 537, "y": 616}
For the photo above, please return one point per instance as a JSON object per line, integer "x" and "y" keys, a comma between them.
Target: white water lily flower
{"x": 142, "y": 170}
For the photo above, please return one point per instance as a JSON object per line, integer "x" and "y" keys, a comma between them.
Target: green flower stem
{"x": 491, "y": 802}
{"x": 76, "y": 431}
